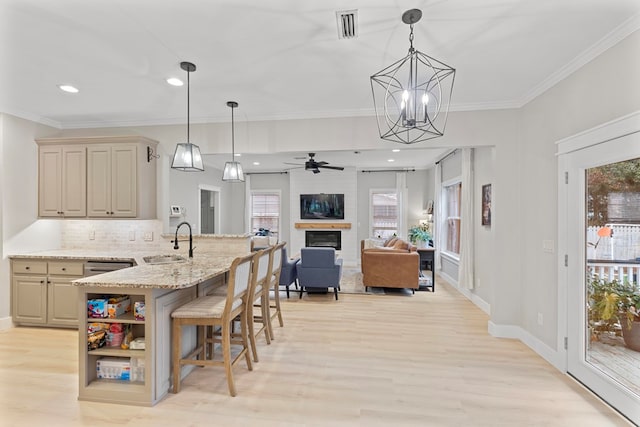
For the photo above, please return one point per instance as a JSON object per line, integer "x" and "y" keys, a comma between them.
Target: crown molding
{"x": 624, "y": 30}
{"x": 617, "y": 35}
{"x": 31, "y": 117}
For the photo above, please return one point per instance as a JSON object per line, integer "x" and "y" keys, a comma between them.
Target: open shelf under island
{"x": 162, "y": 288}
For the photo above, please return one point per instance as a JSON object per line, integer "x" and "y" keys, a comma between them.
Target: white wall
{"x": 278, "y": 182}
{"x": 420, "y": 188}
{"x": 21, "y": 230}
{"x": 328, "y": 181}
{"x": 604, "y": 89}
{"x": 184, "y": 192}
{"x": 484, "y": 163}
{"x": 524, "y": 170}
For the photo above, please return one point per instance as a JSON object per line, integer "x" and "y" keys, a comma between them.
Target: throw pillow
{"x": 390, "y": 241}
{"x": 401, "y": 244}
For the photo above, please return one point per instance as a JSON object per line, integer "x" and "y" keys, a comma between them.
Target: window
{"x": 265, "y": 211}
{"x": 384, "y": 208}
{"x": 451, "y": 196}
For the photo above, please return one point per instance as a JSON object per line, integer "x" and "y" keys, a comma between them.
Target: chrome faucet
{"x": 175, "y": 242}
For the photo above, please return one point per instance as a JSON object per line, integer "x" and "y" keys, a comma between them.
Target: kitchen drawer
{"x": 29, "y": 267}
{"x": 66, "y": 268}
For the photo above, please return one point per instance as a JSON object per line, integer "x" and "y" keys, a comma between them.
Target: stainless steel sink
{"x": 164, "y": 259}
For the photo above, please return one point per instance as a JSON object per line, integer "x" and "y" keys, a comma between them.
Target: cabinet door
{"x": 124, "y": 181}
{"x": 50, "y": 182}
{"x": 62, "y": 302}
{"x": 112, "y": 181}
{"x": 30, "y": 299}
{"x": 74, "y": 181}
{"x": 99, "y": 181}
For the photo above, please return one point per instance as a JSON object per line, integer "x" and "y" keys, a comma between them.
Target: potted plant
{"x": 419, "y": 235}
{"x": 614, "y": 308}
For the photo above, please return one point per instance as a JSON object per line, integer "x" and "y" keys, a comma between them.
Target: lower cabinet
{"x": 42, "y": 292}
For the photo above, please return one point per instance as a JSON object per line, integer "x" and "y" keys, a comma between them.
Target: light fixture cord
{"x": 411, "y": 49}
{"x": 233, "y": 150}
{"x": 188, "y": 102}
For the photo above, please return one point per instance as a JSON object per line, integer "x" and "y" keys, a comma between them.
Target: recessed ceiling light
{"x": 391, "y": 160}
{"x": 68, "y": 88}
{"x": 174, "y": 81}
{"x": 396, "y": 150}
{"x": 256, "y": 163}
{"x": 238, "y": 155}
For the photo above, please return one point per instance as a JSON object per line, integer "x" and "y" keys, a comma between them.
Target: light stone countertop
{"x": 175, "y": 275}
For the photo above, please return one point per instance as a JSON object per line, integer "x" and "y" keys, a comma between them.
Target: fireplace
{"x": 316, "y": 238}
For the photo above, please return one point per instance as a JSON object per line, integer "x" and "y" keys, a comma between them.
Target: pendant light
{"x": 187, "y": 156}
{"x": 412, "y": 95}
{"x": 232, "y": 170}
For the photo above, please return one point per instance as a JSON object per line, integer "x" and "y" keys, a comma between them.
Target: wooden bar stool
{"x": 278, "y": 252}
{"x": 258, "y": 305}
{"x": 215, "y": 311}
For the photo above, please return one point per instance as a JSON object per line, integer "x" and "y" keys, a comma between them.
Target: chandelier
{"x": 411, "y": 96}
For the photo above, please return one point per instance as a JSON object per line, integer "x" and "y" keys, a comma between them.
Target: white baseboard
{"x": 510, "y": 331}
{"x": 474, "y": 298}
{"x": 6, "y": 323}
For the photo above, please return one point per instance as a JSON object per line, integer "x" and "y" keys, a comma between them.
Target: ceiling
{"x": 282, "y": 59}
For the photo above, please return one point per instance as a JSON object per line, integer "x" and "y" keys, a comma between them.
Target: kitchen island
{"x": 161, "y": 288}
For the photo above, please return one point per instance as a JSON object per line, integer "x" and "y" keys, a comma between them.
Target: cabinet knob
{"x": 64, "y": 268}
{"x": 42, "y": 281}
{"x": 27, "y": 268}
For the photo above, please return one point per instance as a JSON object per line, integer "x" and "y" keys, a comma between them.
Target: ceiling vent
{"x": 347, "y": 24}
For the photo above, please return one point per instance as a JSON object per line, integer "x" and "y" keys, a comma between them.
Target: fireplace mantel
{"x": 323, "y": 225}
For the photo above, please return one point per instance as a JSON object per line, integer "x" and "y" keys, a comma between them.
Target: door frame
{"x": 216, "y": 194}
{"x": 626, "y": 126}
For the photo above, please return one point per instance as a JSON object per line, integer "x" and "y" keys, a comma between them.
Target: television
{"x": 322, "y": 206}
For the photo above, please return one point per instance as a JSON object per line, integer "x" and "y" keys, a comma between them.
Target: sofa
{"x": 394, "y": 264}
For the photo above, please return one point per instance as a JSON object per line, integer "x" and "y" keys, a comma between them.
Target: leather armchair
{"x": 318, "y": 268}
{"x": 289, "y": 271}
{"x": 396, "y": 266}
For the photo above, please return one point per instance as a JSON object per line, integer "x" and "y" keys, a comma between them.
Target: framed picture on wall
{"x": 486, "y": 204}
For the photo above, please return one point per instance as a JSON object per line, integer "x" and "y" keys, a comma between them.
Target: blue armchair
{"x": 289, "y": 272}
{"x": 318, "y": 268}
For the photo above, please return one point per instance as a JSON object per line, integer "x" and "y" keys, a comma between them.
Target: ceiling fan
{"x": 314, "y": 166}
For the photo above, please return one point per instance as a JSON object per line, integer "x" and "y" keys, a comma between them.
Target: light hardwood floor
{"x": 364, "y": 360}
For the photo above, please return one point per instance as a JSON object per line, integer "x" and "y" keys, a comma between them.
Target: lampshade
{"x": 411, "y": 96}
{"x": 232, "y": 170}
{"x": 187, "y": 156}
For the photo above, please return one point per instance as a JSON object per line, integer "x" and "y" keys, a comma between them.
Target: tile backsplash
{"x": 130, "y": 235}
{"x": 112, "y": 234}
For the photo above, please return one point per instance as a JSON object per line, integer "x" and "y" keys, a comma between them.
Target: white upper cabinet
{"x": 112, "y": 181}
{"x": 62, "y": 181}
{"x": 99, "y": 177}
